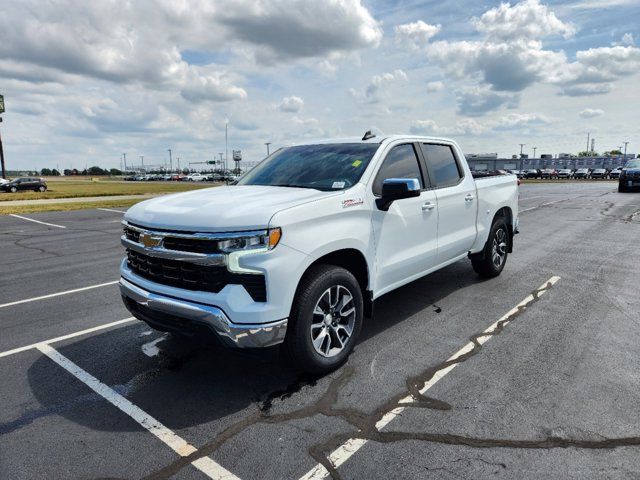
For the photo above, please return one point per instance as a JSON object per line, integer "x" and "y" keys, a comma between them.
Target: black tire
{"x": 298, "y": 344}
{"x": 484, "y": 263}
{"x": 13, "y": 189}
{"x": 621, "y": 188}
{"x": 41, "y": 188}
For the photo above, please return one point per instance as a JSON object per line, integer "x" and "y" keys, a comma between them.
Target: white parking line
{"x": 51, "y": 295}
{"x": 36, "y": 221}
{"x": 345, "y": 451}
{"x": 66, "y": 337}
{"x": 167, "y": 436}
{"x": 111, "y": 210}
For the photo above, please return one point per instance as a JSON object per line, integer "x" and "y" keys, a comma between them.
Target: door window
{"x": 442, "y": 164}
{"x": 400, "y": 162}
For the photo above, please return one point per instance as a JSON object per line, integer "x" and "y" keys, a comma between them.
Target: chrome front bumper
{"x": 170, "y": 314}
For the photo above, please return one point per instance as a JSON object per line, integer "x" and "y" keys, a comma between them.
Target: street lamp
{"x": 170, "y": 161}
{"x": 267, "y": 144}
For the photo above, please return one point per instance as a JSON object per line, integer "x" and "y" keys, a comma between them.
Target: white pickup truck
{"x": 299, "y": 248}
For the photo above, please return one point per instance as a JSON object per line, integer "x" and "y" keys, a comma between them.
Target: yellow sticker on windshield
{"x": 356, "y": 163}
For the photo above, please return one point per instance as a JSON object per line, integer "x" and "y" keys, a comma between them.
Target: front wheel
{"x": 13, "y": 189}
{"x": 325, "y": 321}
{"x": 621, "y": 188}
{"x": 490, "y": 262}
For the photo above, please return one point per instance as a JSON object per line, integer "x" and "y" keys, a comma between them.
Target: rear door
{"x": 457, "y": 203}
{"x": 406, "y": 234}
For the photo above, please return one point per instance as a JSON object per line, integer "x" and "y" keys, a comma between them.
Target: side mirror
{"x": 397, "y": 189}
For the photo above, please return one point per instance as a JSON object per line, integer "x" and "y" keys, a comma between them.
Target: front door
{"x": 406, "y": 235}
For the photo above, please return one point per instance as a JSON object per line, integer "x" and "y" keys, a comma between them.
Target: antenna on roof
{"x": 368, "y": 135}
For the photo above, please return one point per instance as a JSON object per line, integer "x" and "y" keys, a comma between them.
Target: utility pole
{"x": 170, "y": 161}
{"x": 4, "y": 171}
{"x": 142, "y": 161}
{"x": 124, "y": 158}
{"x": 588, "y": 134}
{"x": 534, "y": 151}
{"x": 625, "y": 151}
{"x": 178, "y": 163}
{"x": 267, "y": 144}
{"x": 521, "y": 145}
{"x": 226, "y": 142}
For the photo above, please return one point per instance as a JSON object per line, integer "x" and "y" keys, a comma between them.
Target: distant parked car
{"x": 565, "y": 173}
{"x": 629, "y": 176}
{"x": 582, "y": 173}
{"x": 615, "y": 173}
{"x": 196, "y": 177}
{"x": 177, "y": 177}
{"x": 549, "y": 173}
{"x": 25, "y": 183}
{"x": 599, "y": 173}
{"x": 4, "y": 181}
{"x": 531, "y": 173}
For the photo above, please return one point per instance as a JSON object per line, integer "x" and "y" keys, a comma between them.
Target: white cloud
{"x": 376, "y": 89}
{"x": 519, "y": 120}
{"x": 525, "y": 20}
{"x": 478, "y": 100}
{"x": 434, "y": 86}
{"x": 291, "y": 104}
{"x": 465, "y": 126}
{"x": 415, "y": 35}
{"x": 591, "y": 113}
{"x": 511, "y": 57}
{"x": 627, "y": 39}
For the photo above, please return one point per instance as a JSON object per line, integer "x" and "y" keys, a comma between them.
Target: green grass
{"x": 63, "y": 207}
{"x": 84, "y": 188}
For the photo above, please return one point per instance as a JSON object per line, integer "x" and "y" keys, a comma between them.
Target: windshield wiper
{"x": 293, "y": 185}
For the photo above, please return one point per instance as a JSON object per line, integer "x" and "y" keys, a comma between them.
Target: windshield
{"x": 323, "y": 167}
{"x": 633, "y": 164}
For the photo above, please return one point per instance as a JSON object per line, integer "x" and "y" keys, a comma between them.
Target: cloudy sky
{"x": 86, "y": 81}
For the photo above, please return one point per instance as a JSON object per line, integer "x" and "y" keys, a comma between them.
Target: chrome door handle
{"x": 468, "y": 197}
{"x": 428, "y": 206}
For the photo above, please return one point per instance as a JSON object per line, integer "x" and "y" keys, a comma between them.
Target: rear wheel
{"x": 325, "y": 319}
{"x": 13, "y": 189}
{"x": 490, "y": 262}
{"x": 42, "y": 188}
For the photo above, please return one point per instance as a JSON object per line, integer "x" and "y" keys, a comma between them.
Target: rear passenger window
{"x": 400, "y": 162}
{"x": 442, "y": 164}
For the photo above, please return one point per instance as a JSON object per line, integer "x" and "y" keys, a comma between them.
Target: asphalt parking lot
{"x": 533, "y": 374}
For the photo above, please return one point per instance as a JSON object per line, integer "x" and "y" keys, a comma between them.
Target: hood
{"x": 219, "y": 209}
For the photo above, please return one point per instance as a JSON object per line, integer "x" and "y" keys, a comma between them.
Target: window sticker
{"x": 337, "y": 185}
{"x": 356, "y": 163}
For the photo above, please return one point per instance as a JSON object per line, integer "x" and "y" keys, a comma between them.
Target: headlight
{"x": 242, "y": 246}
{"x": 255, "y": 243}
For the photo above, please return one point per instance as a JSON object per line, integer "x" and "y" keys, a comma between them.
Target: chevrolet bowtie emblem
{"x": 150, "y": 241}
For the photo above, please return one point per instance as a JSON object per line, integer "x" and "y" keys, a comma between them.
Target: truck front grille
{"x": 189, "y": 276}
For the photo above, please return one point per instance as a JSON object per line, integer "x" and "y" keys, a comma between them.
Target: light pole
{"x": 170, "y": 161}
{"x": 521, "y": 145}
{"x": 226, "y": 142}
{"x": 534, "y": 151}
{"x": 625, "y": 151}
{"x": 124, "y": 158}
{"x": 267, "y": 144}
{"x": 4, "y": 172}
{"x": 142, "y": 161}
{"x": 221, "y": 163}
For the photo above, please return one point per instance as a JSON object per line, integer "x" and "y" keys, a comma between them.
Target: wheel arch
{"x": 507, "y": 214}
{"x": 354, "y": 261}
